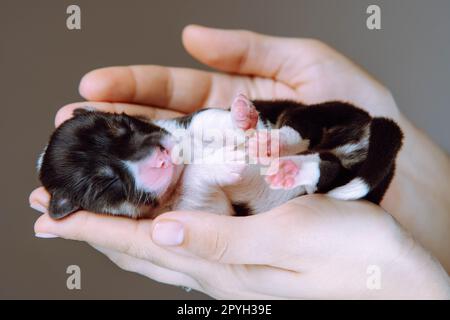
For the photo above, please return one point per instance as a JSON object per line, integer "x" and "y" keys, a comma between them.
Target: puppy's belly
{"x": 196, "y": 193}
{"x": 252, "y": 192}
{"x": 255, "y": 193}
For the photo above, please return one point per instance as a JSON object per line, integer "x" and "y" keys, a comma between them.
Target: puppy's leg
{"x": 317, "y": 172}
{"x": 376, "y": 171}
{"x": 199, "y": 194}
{"x": 376, "y": 195}
{"x": 224, "y": 167}
{"x": 275, "y": 143}
{"x": 243, "y": 113}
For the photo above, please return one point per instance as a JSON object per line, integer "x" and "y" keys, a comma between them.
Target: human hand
{"x": 267, "y": 68}
{"x": 261, "y": 66}
{"x": 312, "y": 247}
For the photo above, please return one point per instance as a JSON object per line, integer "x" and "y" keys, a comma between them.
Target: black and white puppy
{"x": 132, "y": 166}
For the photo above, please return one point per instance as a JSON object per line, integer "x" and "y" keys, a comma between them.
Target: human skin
{"x": 273, "y": 68}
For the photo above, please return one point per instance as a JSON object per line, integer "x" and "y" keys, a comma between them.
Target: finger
{"x": 257, "y": 239}
{"x": 39, "y": 199}
{"x": 180, "y": 89}
{"x": 131, "y": 109}
{"x": 245, "y": 52}
{"x": 148, "y": 269}
{"x": 108, "y": 237}
{"x": 131, "y": 237}
{"x": 289, "y": 284}
{"x": 212, "y": 285}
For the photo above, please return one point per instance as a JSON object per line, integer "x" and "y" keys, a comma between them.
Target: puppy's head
{"x": 106, "y": 163}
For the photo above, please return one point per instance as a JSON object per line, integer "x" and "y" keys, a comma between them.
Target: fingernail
{"x": 38, "y": 207}
{"x": 45, "y": 235}
{"x": 168, "y": 233}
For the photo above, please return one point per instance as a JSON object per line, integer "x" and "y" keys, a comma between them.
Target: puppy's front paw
{"x": 229, "y": 165}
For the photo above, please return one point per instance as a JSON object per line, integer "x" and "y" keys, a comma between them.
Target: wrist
{"x": 418, "y": 197}
{"x": 412, "y": 273}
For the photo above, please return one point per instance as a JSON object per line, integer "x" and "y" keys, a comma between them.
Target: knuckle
{"x": 122, "y": 261}
{"x": 136, "y": 245}
{"x": 81, "y": 227}
{"x": 219, "y": 247}
{"x": 315, "y": 49}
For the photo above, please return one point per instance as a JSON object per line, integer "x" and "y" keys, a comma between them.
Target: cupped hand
{"x": 260, "y": 66}
{"x": 311, "y": 247}
{"x": 263, "y": 67}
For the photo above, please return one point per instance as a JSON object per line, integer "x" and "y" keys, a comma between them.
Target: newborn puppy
{"x": 118, "y": 164}
{"x": 122, "y": 165}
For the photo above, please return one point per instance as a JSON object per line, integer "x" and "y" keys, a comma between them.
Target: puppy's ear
{"x": 61, "y": 206}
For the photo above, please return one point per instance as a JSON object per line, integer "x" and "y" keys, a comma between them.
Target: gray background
{"x": 41, "y": 63}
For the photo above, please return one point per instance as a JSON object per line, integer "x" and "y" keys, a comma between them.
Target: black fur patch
{"x": 334, "y": 124}
{"x": 376, "y": 195}
{"x": 272, "y": 110}
{"x": 83, "y": 166}
{"x": 332, "y": 173}
{"x": 186, "y": 120}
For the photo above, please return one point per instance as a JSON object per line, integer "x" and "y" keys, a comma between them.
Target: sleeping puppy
{"x": 213, "y": 160}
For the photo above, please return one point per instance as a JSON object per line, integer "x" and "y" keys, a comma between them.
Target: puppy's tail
{"x": 384, "y": 143}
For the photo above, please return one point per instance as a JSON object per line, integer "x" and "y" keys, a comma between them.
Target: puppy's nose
{"x": 163, "y": 159}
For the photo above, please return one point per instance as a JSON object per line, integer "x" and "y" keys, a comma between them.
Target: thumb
{"x": 225, "y": 239}
{"x": 240, "y": 51}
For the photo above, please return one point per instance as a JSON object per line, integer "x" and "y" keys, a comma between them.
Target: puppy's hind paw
{"x": 243, "y": 113}
{"x": 291, "y": 172}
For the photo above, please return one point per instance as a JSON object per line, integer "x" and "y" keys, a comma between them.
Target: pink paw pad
{"x": 243, "y": 113}
{"x": 284, "y": 177}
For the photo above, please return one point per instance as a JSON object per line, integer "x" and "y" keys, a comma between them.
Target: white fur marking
{"x": 355, "y": 189}
{"x": 291, "y": 141}
{"x": 40, "y": 159}
{"x": 352, "y": 153}
{"x": 348, "y": 148}
{"x": 124, "y": 208}
{"x": 309, "y": 174}
{"x": 133, "y": 169}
